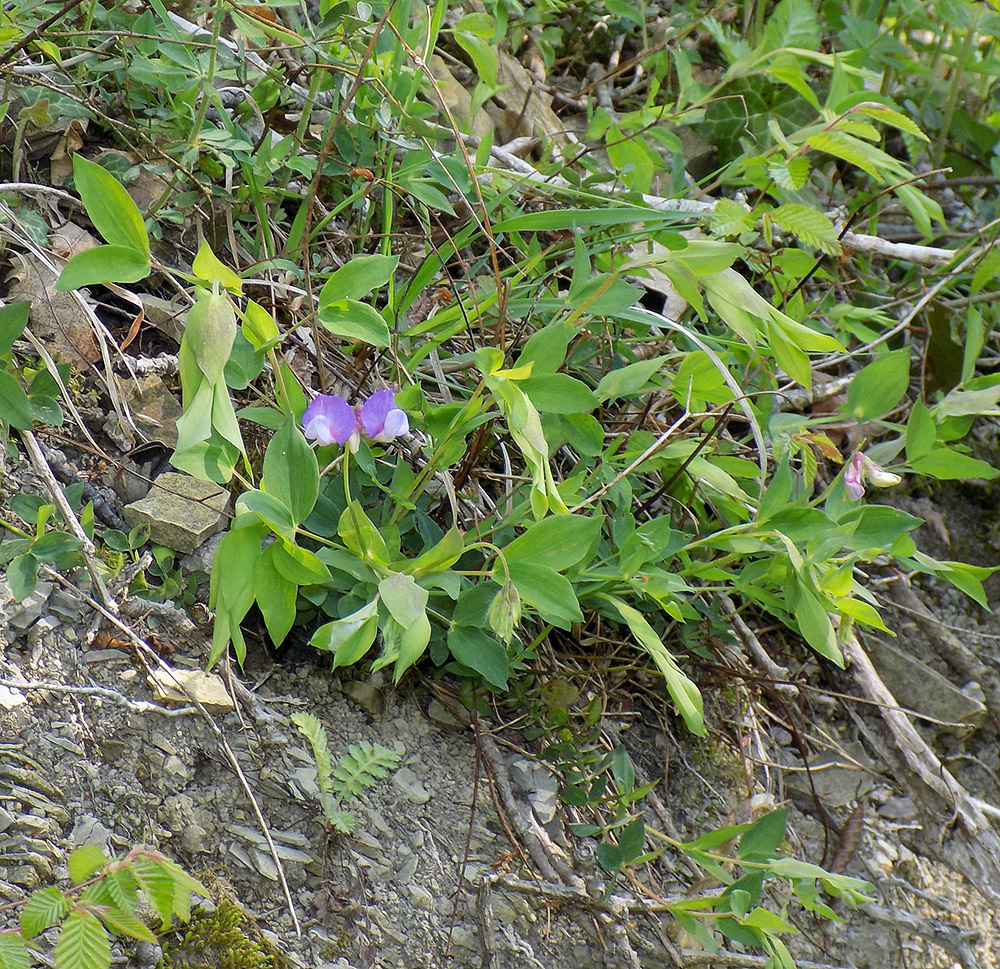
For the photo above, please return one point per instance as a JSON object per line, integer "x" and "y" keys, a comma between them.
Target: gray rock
{"x": 181, "y": 511}
{"x": 919, "y": 687}
{"x": 410, "y": 786}
{"x": 365, "y": 695}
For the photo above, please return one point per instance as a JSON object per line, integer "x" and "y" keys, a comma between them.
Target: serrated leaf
{"x": 729, "y": 218}
{"x": 45, "y": 907}
{"x": 857, "y": 152}
{"x": 83, "y": 943}
{"x": 158, "y": 886}
{"x": 122, "y": 889}
{"x": 122, "y": 923}
{"x": 811, "y": 226}
{"x": 85, "y": 861}
{"x": 790, "y": 174}
{"x": 311, "y": 728}
{"x": 891, "y": 117}
{"x": 13, "y": 952}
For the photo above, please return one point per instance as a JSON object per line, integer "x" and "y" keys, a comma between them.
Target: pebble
{"x": 410, "y": 786}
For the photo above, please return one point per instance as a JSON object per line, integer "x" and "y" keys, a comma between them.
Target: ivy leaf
{"x": 811, "y": 226}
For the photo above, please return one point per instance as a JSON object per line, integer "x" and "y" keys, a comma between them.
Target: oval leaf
{"x": 110, "y": 207}
{"x": 105, "y": 264}
{"x": 352, "y": 320}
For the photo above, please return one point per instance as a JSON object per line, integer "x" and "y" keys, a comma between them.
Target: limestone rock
{"x": 181, "y": 511}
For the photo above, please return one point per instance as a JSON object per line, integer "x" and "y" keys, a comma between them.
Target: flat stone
{"x": 181, "y": 511}
{"x": 365, "y": 695}
{"x": 922, "y": 688}
{"x": 410, "y": 786}
{"x": 170, "y": 685}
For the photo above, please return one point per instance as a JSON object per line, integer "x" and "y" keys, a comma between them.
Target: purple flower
{"x": 381, "y": 419}
{"x": 330, "y": 419}
{"x": 861, "y": 469}
{"x": 853, "y": 476}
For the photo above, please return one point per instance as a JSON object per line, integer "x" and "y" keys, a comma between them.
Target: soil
{"x": 433, "y": 876}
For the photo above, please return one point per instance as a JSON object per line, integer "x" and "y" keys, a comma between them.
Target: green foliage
{"x": 218, "y": 939}
{"x": 363, "y": 766}
{"x": 582, "y": 468}
{"x": 100, "y": 906}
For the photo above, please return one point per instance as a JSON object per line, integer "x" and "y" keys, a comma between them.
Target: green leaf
{"x": 22, "y": 575}
{"x": 558, "y": 542}
{"x": 921, "y": 432}
{"x": 210, "y": 331}
{"x": 291, "y": 472}
{"x": 729, "y": 218}
{"x": 14, "y": 406}
{"x": 209, "y": 269}
{"x": 815, "y": 626}
{"x": 682, "y": 690}
{"x": 440, "y": 556}
{"x": 550, "y": 593}
{"x": 558, "y": 393}
{"x": 352, "y": 320}
{"x": 83, "y": 943}
{"x": 790, "y": 174}
{"x": 85, "y": 861}
{"x": 405, "y": 600}
{"x": 360, "y": 536}
{"x": 105, "y": 264}
{"x": 348, "y": 638}
{"x": 259, "y": 326}
{"x": 480, "y": 652}
{"x": 357, "y": 278}
{"x": 43, "y": 909}
{"x": 877, "y": 526}
{"x": 857, "y": 152}
{"x": 811, "y": 226}
{"x": 272, "y": 511}
{"x": 965, "y": 403}
{"x": 13, "y": 952}
{"x": 586, "y": 218}
{"x": 879, "y": 387}
{"x": 762, "y": 838}
{"x": 157, "y": 885}
{"x": 276, "y": 596}
{"x": 948, "y": 465}
{"x": 632, "y": 840}
{"x": 298, "y": 564}
{"x": 628, "y": 381}
{"x": 122, "y": 923}
{"x": 110, "y": 207}
{"x": 13, "y": 320}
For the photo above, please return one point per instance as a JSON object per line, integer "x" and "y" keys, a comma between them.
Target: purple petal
{"x": 396, "y": 423}
{"x": 374, "y": 412}
{"x": 329, "y": 419}
{"x": 853, "y": 476}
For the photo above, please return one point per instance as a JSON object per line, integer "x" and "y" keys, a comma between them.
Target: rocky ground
{"x": 93, "y": 752}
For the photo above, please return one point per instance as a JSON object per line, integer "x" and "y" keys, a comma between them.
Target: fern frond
{"x": 362, "y": 766}
{"x": 311, "y": 728}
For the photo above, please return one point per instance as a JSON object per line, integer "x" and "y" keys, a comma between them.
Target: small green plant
{"x": 100, "y": 906}
{"x": 363, "y": 766}
{"x": 218, "y": 940}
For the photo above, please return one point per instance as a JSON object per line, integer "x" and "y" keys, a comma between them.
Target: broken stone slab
{"x": 181, "y": 686}
{"x": 181, "y": 511}
{"x": 920, "y": 687}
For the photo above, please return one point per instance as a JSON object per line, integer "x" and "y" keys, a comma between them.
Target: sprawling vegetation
{"x": 661, "y": 291}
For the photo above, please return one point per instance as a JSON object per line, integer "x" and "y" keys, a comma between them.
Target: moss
{"x": 221, "y": 939}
